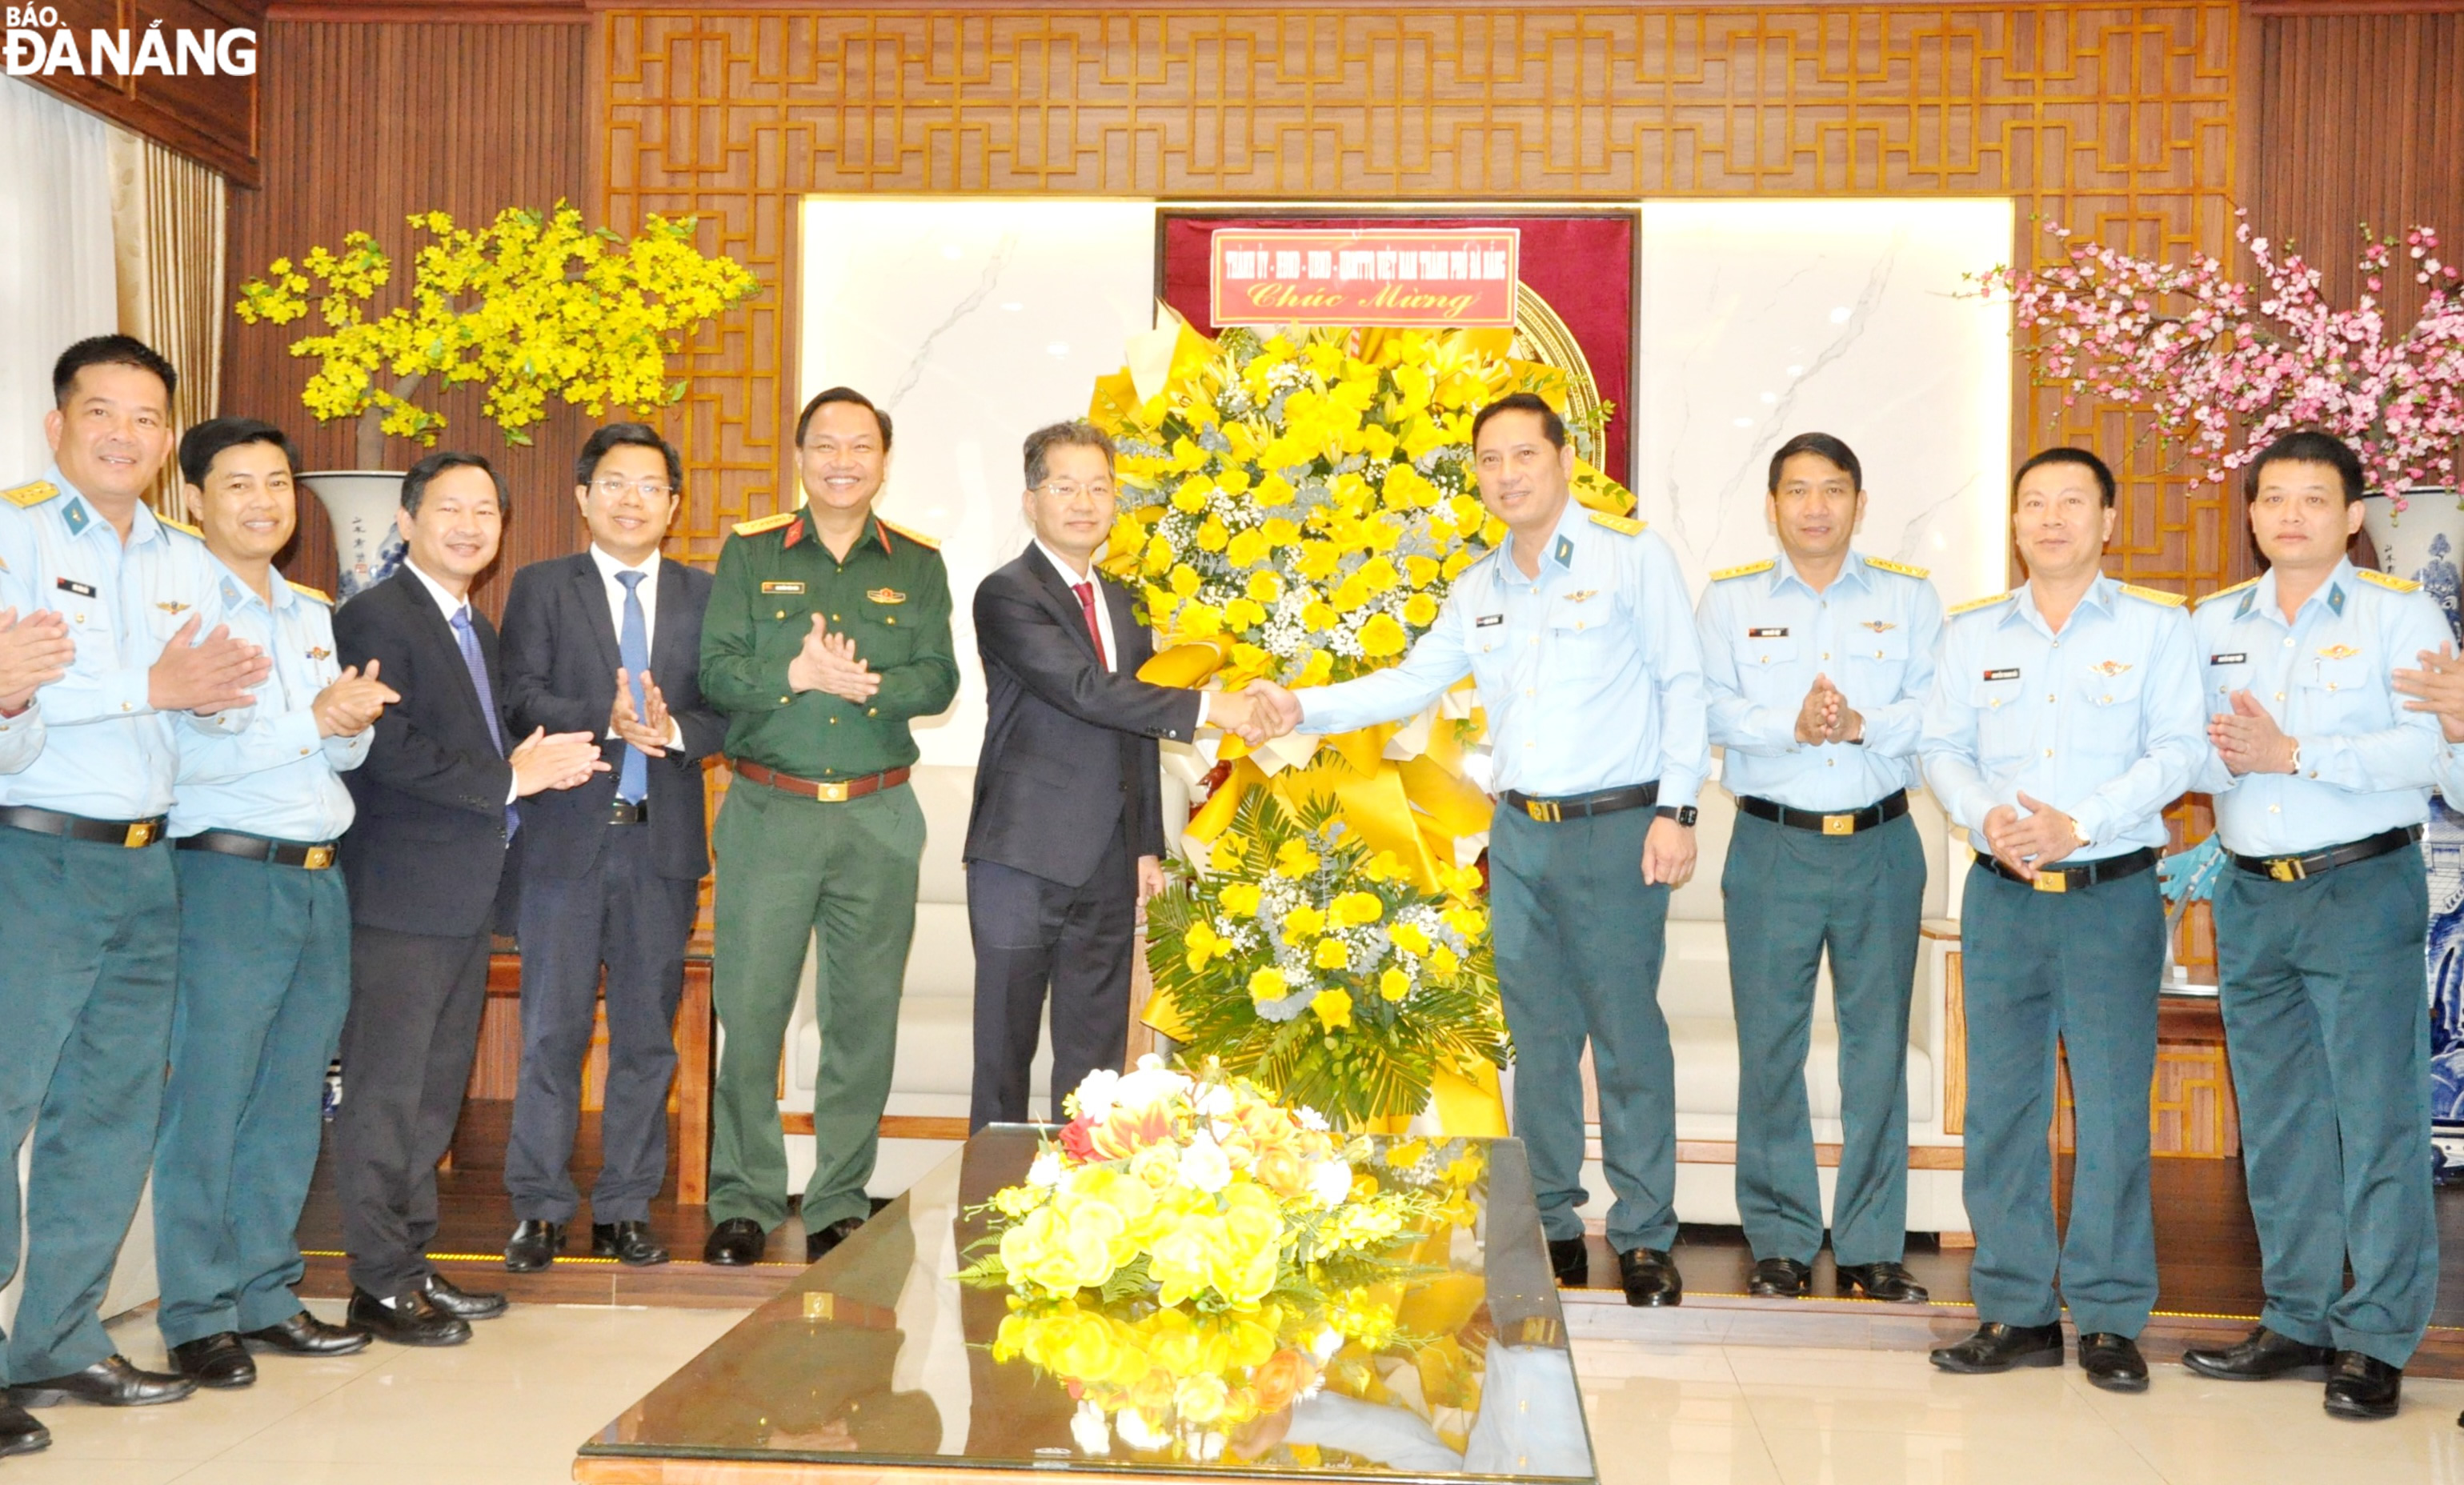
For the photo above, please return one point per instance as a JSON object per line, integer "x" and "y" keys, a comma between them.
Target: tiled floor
{"x": 508, "y": 1409}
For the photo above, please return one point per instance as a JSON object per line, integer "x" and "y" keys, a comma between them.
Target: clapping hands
{"x": 35, "y": 651}
{"x": 647, "y": 729}
{"x": 1826, "y": 717}
{"x": 2438, "y": 685}
{"x": 827, "y": 663}
{"x": 351, "y": 703}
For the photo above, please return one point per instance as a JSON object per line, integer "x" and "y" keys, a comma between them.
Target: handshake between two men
{"x": 1256, "y": 713}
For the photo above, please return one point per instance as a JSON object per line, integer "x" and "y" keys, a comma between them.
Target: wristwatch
{"x": 1683, "y": 814}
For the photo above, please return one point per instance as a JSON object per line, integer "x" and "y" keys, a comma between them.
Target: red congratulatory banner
{"x": 1298, "y": 276}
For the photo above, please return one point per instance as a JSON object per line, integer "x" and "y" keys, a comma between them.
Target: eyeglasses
{"x": 610, "y": 489}
{"x": 1066, "y": 491}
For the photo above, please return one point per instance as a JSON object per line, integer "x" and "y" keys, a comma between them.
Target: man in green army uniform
{"x": 828, "y": 632}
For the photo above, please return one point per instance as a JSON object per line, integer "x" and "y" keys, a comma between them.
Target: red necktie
{"x": 1086, "y": 591}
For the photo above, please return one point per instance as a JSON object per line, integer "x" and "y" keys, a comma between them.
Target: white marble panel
{"x": 1762, "y": 319}
{"x": 973, "y": 322}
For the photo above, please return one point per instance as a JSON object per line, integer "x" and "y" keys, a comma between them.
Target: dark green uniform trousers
{"x": 85, "y": 1016}
{"x": 1579, "y": 939}
{"x": 2327, "y": 1023}
{"x": 265, "y": 980}
{"x": 1789, "y": 895}
{"x": 2080, "y": 968}
{"x": 791, "y": 868}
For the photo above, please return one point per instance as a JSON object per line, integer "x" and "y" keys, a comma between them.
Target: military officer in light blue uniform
{"x": 265, "y": 935}
{"x": 2322, "y": 782}
{"x": 1818, "y": 661}
{"x": 1578, "y": 633}
{"x": 36, "y": 650}
{"x": 84, "y": 867}
{"x": 2064, "y": 717}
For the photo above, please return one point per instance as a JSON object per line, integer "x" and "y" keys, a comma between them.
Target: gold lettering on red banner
{"x": 1400, "y": 279}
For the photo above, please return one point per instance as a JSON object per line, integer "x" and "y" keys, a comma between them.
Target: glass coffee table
{"x": 879, "y": 1363}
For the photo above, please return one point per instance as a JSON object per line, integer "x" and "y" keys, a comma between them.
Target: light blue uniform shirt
{"x": 21, "y": 737}
{"x": 2101, "y": 721}
{"x": 109, "y": 755}
{"x": 1591, "y": 672}
{"x": 2367, "y": 764}
{"x": 276, "y": 776}
{"x": 1767, "y": 635}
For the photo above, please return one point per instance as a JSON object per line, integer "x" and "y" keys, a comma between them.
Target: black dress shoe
{"x": 2000, "y": 1347}
{"x": 113, "y": 1381}
{"x": 2112, "y": 1362}
{"x": 1570, "y": 1258}
{"x": 1781, "y": 1278}
{"x": 2262, "y": 1356}
{"x": 816, "y": 1244}
{"x": 1650, "y": 1278}
{"x": 19, "y": 1432}
{"x": 215, "y": 1360}
{"x": 2363, "y": 1387}
{"x": 1884, "y": 1280}
{"x": 534, "y": 1245}
{"x": 629, "y": 1243}
{"x": 735, "y": 1244}
{"x": 406, "y": 1319}
{"x": 305, "y": 1334}
{"x": 461, "y": 1304}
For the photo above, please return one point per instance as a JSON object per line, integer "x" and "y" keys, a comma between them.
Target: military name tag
{"x": 1767, "y": 634}
{"x": 2009, "y": 673}
{"x": 1487, "y": 619}
{"x": 782, "y": 587}
{"x": 2236, "y": 658}
{"x": 71, "y": 585}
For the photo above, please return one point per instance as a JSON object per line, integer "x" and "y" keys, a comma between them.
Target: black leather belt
{"x": 311, "y": 856}
{"x": 1583, "y": 806}
{"x": 130, "y": 832}
{"x": 2070, "y": 879}
{"x": 622, "y": 812}
{"x": 2292, "y": 869}
{"x": 1883, "y": 810}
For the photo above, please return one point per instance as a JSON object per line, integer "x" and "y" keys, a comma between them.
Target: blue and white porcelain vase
{"x": 2425, "y": 543}
{"x": 360, "y": 504}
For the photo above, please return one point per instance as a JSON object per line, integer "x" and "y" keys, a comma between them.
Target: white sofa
{"x": 936, "y": 1040}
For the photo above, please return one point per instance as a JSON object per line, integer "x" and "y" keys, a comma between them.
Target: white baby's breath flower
{"x": 1045, "y": 1171}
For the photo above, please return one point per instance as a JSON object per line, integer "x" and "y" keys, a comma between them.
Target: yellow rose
{"x": 1332, "y": 1007}
{"x": 1267, "y": 983}
{"x": 1393, "y": 985}
{"x": 1198, "y": 621}
{"x": 1381, "y": 636}
{"x": 1355, "y": 908}
{"x": 1185, "y": 580}
{"x": 1294, "y": 859}
{"x": 1377, "y": 442}
{"x": 1245, "y": 549}
{"x": 1212, "y": 536}
{"x": 1200, "y": 1399}
{"x": 1281, "y": 532}
{"x": 1317, "y": 559}
{"x": 1422, "y": 571}
{"x": 1275, "y": 490}
{"x": 1331, "y": 954}
{"x": 1319, "y": 615}
{"x": 1158, "y": 555}
{"x": 1409, "y": 938}
{"x": 1201, "y": 944}
{"x": 1457, "y": 560}
{"x": 1304, "y": 922}
{"x": 1243, "y": 614}
{"x": 1442, "y": 962}
{"x": 1318, "y": 670}
{"x": 1384, "y": 866}
{"x": 1469, "y": 922}
{"x": 1241, "y": 897}
{"x": 1419, "y": 610}
{"x": 1232, "y": 481}
{"x": 1190, "y": 496}
{"x": 1352, "y": 593}
{"x": 1266, "y": 585}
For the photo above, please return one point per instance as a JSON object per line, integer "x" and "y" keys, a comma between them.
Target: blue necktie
{"x": 468, "y": 639}
{"x": 633, "y": 649}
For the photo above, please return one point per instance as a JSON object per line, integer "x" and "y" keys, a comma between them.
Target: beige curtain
{"x": 167, "y": 231}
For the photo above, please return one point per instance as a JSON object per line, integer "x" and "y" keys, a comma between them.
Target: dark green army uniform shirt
{"x": 891, "y": 595}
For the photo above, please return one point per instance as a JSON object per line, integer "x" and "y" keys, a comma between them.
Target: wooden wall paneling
{"x": 365, "y": 124}
{"x": 209, "y": 117}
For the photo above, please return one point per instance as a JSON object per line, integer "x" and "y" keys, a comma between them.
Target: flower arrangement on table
{"x": 1188, "y": 1255}
{"x": 532, "y": 304}
{"x": 2226, "y": 367}
{"x": 1296, "y": 506}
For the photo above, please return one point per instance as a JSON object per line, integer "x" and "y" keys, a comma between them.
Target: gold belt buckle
{"x": 2285, "y": 868}
{"x": 319, "y": 857}
{"x": 2050, "y": 880}
{"x": 832, "y": 794}
{"x": 141, "y": 834}
{"x": 1838, "y": 824}
{"x": 1545, "y": 810}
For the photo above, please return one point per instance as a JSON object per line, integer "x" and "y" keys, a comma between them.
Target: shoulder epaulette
{"x": 307, "y": 592}
{"x": 181, "y": 526}
{"x": 1903, "y": 569}
{"x": 29, "y": 495}
{"x": 1745, "y": 569}
{"x": 2246, "y": 582}
{"x": 766, "y": 523}
{"x": 1973, "y": 604}
{"x": 2158, "y": 596}
{"x": 927, "y": 543}
{"x": 1622, "y": 525}
{"x": 2387, "y": 580}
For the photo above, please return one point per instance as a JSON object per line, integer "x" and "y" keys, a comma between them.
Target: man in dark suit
{"x": 425, "y": 862}
{"x": 607, "y": 641}
{"x": 1065, "y": 840}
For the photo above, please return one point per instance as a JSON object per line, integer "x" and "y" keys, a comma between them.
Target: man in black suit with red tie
{"x": 607, "y": 641}
{"x": 425, "y": 861}
{"x": 1065, "y": 840}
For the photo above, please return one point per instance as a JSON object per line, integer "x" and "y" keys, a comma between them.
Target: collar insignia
{"x": 1563, "y": 552}
{"x": 73, "y": 515}
{"x": 1879, "y": 625}
{"x": 2336, "y": 600}
{"x": 2338, "y": 652}
{"x": 886, "y": 596}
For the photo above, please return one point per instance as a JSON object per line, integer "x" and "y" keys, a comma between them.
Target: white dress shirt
{"x": 648, "y": 587}
{"x": 449, "y": 605}
{"x": 1104, "y": 620}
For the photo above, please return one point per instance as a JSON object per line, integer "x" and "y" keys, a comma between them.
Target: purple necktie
{"x": 468, "y": 640}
